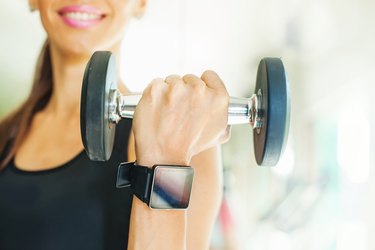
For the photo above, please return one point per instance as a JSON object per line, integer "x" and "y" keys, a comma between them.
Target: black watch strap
{"x": 142, "y": 180}
{"x": 139, "y": 178}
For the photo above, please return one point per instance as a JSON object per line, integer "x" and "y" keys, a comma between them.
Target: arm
{"x": 207, "y": 193}
{"x": 207, "y": 190}
{"x": 153, "y": 229}
{"x": 175, "y": 120}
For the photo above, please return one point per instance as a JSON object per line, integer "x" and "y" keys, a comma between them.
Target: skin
{"x": 192, "y": 141}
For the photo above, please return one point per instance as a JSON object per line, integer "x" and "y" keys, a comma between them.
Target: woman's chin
{"x": 82, "y": 47}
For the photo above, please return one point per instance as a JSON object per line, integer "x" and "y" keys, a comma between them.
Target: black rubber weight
{"x": 96, "y": 131}
{"x": 270, "y": 140}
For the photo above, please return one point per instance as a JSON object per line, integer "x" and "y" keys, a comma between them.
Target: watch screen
{"x": 171, "y": 187}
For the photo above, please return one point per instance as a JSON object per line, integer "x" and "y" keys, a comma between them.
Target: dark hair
{"x": 14, "y": 127}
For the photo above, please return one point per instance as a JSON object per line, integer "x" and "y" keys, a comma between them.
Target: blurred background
{"x": 321, "y": 196}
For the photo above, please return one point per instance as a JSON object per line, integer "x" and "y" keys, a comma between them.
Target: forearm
{"x": 157, "y": 229}
{"x": 191, "y": 229}
{"x": 168, "y": 131}
{"x": 206, "y": 198}
{"x": 153, "y": 229}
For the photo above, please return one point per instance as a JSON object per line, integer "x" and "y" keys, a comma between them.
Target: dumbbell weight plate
{"x": 270, "y": 139}
{"x": 97, "y": 132}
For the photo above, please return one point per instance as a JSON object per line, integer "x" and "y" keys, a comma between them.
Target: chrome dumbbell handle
{"x": 240, "y": 110}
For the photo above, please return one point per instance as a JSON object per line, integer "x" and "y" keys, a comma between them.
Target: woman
{"x": 53, "y": 197}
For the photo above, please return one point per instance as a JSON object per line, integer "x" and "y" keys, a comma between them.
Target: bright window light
{"x": 352, "y": 235}
{"x": 353, "y": 146}
{"x": 280, "y": 241}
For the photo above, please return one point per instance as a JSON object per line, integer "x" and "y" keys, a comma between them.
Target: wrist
{"x": 149, "y": 162}
{"x": 155, "y": 156}
{"x": 160, "y": 187}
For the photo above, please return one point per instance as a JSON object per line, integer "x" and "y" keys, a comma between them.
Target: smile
{"x": 81, "y": 16}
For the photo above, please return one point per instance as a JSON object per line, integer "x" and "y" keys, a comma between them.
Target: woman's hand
{"x": 179, "y": 117}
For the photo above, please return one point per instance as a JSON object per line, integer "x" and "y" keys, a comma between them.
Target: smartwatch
{"x": 160, "y": 187}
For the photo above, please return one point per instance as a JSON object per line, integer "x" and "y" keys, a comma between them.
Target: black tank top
{"x": 75, "y": 206}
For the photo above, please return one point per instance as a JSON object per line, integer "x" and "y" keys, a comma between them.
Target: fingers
{"x": 154, "y": 89}
{"x": 173, "y": 79}
{"x": 193, "y": 81}
{"x": 213, "y": 81}
{"x": 209, "y": 78}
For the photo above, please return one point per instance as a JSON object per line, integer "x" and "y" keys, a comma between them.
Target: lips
{"x": 81, "y": 16}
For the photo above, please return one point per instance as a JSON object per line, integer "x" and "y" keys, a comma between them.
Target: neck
{"x": 68, "y": 70}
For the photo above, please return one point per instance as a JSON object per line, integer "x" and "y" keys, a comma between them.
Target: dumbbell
{"x": 267, "y": 110}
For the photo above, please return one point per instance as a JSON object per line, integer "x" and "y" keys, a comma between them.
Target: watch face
{"x": 171, "y": 187}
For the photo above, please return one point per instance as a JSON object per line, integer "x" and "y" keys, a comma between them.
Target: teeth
{"x": 82, "y": 16}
